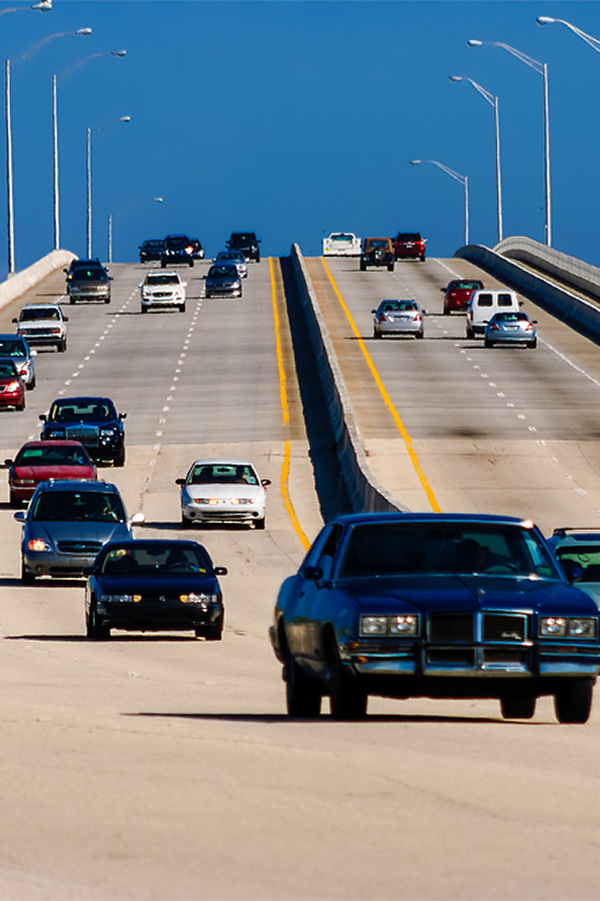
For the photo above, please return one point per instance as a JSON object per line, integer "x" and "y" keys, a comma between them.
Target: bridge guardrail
{"x": 364, "y": 491}
{"x": 568, "y": 269}
{"x": 22, "y": 281}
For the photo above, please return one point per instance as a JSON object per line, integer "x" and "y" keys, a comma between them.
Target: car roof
{"x": 433, "y": 518}
{"x": 40, "y": 306}
{"x": 220, "y": 462}
{"x": 78, "y": 485}
{"x": 84, "y": 399}
{"x": 60, "y": 442}
{"x": 157, "y": 272}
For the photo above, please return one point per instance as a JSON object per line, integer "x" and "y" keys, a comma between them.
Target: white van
{"x": 484, "y": 304}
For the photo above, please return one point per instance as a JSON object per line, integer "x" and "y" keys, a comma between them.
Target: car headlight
{"x": 241, "y": 500}
{"x": 38, "y": 544}
{"x": 56, "y": 433}
{"x": 120, "y": 598}
{"x": 397, "y": 624}
{"x": 568, "y": 627}
{"x": 206, "y": 500}
{"x": 204, "y": 600}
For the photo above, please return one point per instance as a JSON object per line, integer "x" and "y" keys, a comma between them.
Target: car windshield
{"x": 165, "y": 560}
{"x": 10, "y": 348}
{"x": 243, "y": 238}
{"x": 343, "y": 238}
{"x": 222, "y": 474}
{"x": 511, "y": 317}
{"x": 30, "y": 314}
{"x": 78, "y": 506}
{"x": 90, "y": 275}
{"x": 85, "y": 411}
{"x": 390, "y": 305}
{"x": 7, "y": 370}
{"x": 160, "y": 279}
{"x": 466, "y": 286}
{"x": 378, "y": 242}
{"x": 52, "y": 455}
{"x": 229, "y": 271}
{"x": 386, "y": 549}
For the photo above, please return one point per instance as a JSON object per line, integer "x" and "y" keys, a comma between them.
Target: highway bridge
{"x": 159, "y": 766}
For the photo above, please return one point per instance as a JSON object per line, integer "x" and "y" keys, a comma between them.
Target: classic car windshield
{"x": 156, "y": 560}
{"x": 424, "y": 548}
{"x": 59, "y": 455}
{"x": 78, "y": 506}
{"x": 94, "y": 411}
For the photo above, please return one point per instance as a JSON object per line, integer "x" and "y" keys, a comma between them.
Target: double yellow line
{"x": 285, "y": 415}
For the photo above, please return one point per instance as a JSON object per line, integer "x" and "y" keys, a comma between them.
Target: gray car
{"x": 398, "y": 317}
{"x": 237, "y": 258}
{"x": 17, "y": 348}
{"x": 66, "y": 525}
{"x": 511, "y": 328}
{"x": 223, "y": 280}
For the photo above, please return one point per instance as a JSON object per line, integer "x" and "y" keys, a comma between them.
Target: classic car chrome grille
{"x": 447, "y": 628}
{"x": 80, "y": 547}
{"x": 81, "y": 433}
{"x": 504, "y": 627}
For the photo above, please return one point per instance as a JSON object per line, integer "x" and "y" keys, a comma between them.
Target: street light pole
{"x": 55, "y": 199}
{"x": 9, "y": 171}
{"x": 541, "y": 69}
{"x": 464, "y": 181}
{"x": 493, "y": 100}
{"x": 116, "y": 216}
{"x": 88, "y": 182}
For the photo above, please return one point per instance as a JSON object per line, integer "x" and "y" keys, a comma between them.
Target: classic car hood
{"x": 83, "y": 531}
{"x": 450, "y": 592}
{"x": 223, "y": 492}
{"x": 43, "y": 473}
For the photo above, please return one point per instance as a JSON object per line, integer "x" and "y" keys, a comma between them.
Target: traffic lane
{"x": 504, "y": 430}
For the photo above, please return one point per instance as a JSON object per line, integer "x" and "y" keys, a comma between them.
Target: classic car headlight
{"x": 38, "y": 544}
{"x": 118, "y": 598}
{"x": 402, "y": 624}
{"x": 204, "y": 600}
{"x": 56, "y": 433}
{"x": 108, "y": 432}
{"x": 568, "y": 627}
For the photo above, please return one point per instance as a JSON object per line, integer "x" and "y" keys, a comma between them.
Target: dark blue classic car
{"x": 93, "y": 421}
{"x": 154, "y": 585}
{"x": 438, "y": 606}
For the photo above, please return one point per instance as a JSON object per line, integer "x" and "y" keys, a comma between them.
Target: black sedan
{"x": 154, "y": 586}
{"x": 152, "y": 249}
{"x": 93, "y": 421}
{"x": 437, "y": 606}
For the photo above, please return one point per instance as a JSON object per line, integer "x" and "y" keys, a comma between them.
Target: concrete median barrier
{"x": 20, "y": 282}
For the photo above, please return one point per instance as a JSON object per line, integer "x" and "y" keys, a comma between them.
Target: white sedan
{"x": 163, "y": 288}
{"x": 223, "y": 491}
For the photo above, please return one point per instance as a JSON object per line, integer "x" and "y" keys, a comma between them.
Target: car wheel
{"x": 363, "y": 267}
{"x": 348, "y": 700}
{"x": 120, "y": 458}
{"x": 260, "y": 523}
{"x": 21, "y": 407}
{"x": 144, "y": 309}
{"x": 573, "y": 704}
{"x": 214, "y": 632}
{"x": 13, "y": 500}
{"x": 470, "y": 333}
{"x": 107, "y": 300}
{"x": 186, "y": 523}
{"x": 94, "y": 627}
{"x": 446, "y": 312}
{"x": 420, "y": 335}
{"x": 71, "y": 300}
{"x": 302, "y": 694}
{"x": 27, "y": 578}
{"x": 191, "y": 263}
{"x": 182, "y": 308}
{"x": 62, "y": 346}
{"x": 422, "y": 259}
{"x": 391, "y": 267}
{"x": 488, "y": 343}
{"x": 532, "y": 344}
{"x": 163, "y": 264}
{"x": 376, "y": 334}
{"x": 518, "y": 708}
{"x": 31, "y": 385}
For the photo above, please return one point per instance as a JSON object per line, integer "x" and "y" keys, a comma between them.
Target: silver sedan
{"x": 511, "y": 328}
{"x": 235, "y": 257}
{"x": 398, "y": 317}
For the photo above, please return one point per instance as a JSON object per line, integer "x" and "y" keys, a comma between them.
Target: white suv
{"x": 163, "y": 288}
{"x": 43, "y": 323}
{"x": 484, "y": 304}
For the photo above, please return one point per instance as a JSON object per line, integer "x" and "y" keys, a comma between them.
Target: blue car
{"x": 93, "y": 421}
{"x": 154, "y": 585}
{"x": 438, "y": 606}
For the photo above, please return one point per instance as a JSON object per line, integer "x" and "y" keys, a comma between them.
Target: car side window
{"x": 505, "y": 300}
{"x": 484, "y": 300}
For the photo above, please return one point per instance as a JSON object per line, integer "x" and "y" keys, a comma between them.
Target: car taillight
{"x": 381, "y": 317}
{"x": 529, "y": 327}
{"x": 493, "y": 327}
{"x": 417, "y": 317}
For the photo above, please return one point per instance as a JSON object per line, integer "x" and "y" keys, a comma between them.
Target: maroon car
{"x": 38, "y": 461}
{"x": 12, "y": 386}
{"x": 457, "y": 294}
{"x": 409, "y": 246}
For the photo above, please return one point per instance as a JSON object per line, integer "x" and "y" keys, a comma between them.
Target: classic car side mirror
{"x": 220, "y": 570}
{"x": 20, "y": 516}
{"x": 122, "y": 415}
{"x": 314, "y": 573}
{"x": 180, "y": 481}
{"x": 7, "y": 464}
{"x": 42, "y": 417}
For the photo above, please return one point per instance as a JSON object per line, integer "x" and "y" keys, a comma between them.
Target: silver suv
{"x": 43, "y": 323}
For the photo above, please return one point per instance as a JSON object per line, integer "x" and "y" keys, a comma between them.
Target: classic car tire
{"x": 182, "y": 308}
{"x": 518, "y": 708}
{"x": 94, "y": 628}
{"x": 573, "y": 703}
{"x": 120, "y": 458}
{"x": 211, "y": 633}
{"x": 348, "y": 700}
{"x": 391, "y": 267}
{"x": 302, "y": 694}
{"x": 420, "y": 335}
{"x": 488, "y": 343}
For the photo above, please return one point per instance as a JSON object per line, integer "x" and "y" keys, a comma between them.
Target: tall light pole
{"x": 111, "y": 218}
{"x": 541, "y": 69}
{"x": 593, "y": 42}
{"x": 493, "y": 100}
{"x": 88, "y": 180}
{"x": 464, "y": 181}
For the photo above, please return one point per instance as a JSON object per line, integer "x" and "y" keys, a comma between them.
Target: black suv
{"x": 93, "y": 421}
{"x": 247, "y": 243}
{"x": 377, "y": 252}
{"x": 177, "y": 249}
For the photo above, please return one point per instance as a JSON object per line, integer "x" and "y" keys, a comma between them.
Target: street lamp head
{"x": 545, "y": 20}
{"x": 474, "y": 43}
{"x": 157, "y": 199}
{"x": 44, "y": 6}
{"x": 84, "y": 31}
{"x": 414, "y": 162}
{"x": 118, "y": 52}
{"x": 455, "y": 77}
{"x": 125, "y": 119}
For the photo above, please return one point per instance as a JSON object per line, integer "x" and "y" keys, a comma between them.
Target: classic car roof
{"x": 365, "y": 518}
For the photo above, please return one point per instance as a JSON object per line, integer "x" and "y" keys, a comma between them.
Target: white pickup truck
{"x": 341, "y": 244}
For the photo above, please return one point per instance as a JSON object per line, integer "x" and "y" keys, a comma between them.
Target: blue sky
{"x": 295, "y": 119}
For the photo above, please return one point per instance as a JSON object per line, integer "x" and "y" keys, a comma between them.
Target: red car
{"x": 409, "y": 246}
{"x": 38, "y": 461}
{"x": 12, "y": 386}
{"x": 457, "y": 294}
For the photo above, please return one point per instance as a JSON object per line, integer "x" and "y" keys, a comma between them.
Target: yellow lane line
{"x": 285, "y": 415}
{"x": 386, "y": 398}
